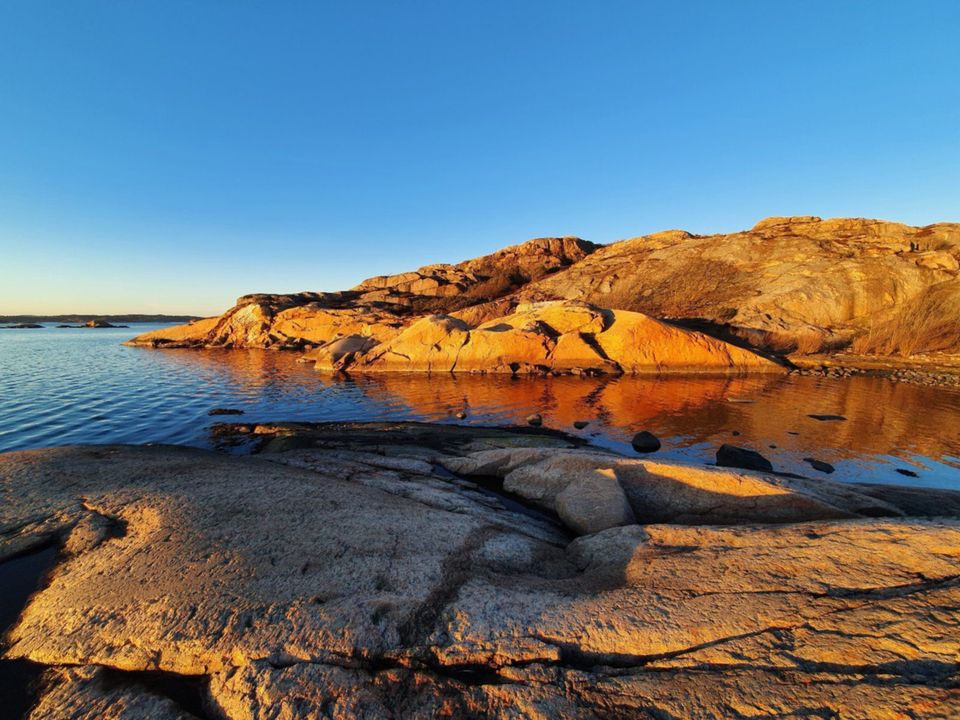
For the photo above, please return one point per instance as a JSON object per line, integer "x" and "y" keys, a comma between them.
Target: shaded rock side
{"x": 671, "y": 492}
{"x": 295, "y": 592}
{"x": 557, "y": 338}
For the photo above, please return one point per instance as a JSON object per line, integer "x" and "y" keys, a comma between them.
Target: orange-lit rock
{"x": 786, "y": 284}
{"x": 557, "y": 338}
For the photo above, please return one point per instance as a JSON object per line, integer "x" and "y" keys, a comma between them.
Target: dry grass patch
{"x": 928, "y": 323}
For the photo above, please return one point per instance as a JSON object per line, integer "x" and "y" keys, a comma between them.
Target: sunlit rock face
{"x": 557, "y": 337}
{"x": 786, "y": 284}
{"x": 378, "y": 307}
{"x": 784, "y": 280}
{"x": 340, "y": 573}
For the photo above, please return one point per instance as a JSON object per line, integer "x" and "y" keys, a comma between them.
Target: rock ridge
{"x": 788, "y": 285}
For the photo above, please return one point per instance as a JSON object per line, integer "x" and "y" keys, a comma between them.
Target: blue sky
{"x": 169, "y": 156}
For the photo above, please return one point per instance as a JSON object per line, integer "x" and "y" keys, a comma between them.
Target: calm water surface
{"x": 60, "y": 386}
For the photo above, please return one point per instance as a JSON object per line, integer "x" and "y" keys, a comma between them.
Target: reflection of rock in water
{"x": 883, "y": 417}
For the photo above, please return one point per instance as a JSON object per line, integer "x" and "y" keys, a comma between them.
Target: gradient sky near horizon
{"x": 170, "y": 156}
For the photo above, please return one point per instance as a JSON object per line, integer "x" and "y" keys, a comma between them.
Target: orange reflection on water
{"x": 884, "y": 418}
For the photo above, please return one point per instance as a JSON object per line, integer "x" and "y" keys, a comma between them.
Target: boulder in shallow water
{"x": 645, "y": 442}
{"x": 819, "y": 465}
{"x": 738, "y": 457}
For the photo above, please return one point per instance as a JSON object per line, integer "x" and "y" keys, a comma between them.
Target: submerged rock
{"x": 225, "y": 411}
{"x": 351, "y": 574}
{"x": 738, "y": 457}
{"x": 820, "y": 465}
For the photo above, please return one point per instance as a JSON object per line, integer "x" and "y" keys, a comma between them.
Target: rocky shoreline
{"x": 936, "y": 371}
{"x": 417, "y": 570}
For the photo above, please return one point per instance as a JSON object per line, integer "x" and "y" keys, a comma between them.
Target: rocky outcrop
{"x": 794, "y": 284}
{"x": 376, "y": 308}
{"x": 787, "y": 283}
{"x": 555, "y": 338}
{"x": 350, "y": 577}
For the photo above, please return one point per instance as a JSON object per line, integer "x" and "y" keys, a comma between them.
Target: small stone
{"x": 645, "y": 442}
{"x": 580, "y": 424}
{"x": 735, "y": 433}
{"x": 824, "y": 418}
{"x": 460, "y": 415}
{"x": 820, "y": 465}
{"x": 738, "y": 457}
{"x": 536, "y": 420}
{"x": 908, "y": 473}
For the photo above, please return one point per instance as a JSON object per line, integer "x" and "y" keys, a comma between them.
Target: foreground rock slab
{"x": 348, "y": 574}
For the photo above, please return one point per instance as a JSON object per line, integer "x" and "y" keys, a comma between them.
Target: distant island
{"x": 35, "y": 319}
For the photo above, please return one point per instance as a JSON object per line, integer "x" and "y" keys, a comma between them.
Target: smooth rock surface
{"x": 352, "y": 578}
{"x": 557, "y": 338}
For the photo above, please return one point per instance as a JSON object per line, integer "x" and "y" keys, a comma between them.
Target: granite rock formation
{"x": 788, "y": 284}
{"x": 554, "y": 338}
{"x": 344, "y": 573}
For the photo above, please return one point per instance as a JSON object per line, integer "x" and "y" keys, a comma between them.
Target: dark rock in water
{"x": 738, "y": 457}
{"x": 908, "y": 473}
{"x": 820, "y": 465}
{"x": 580, "y": 424}
{"x": 72, "y": 327}
{"x": 827, "y": 417}
{"x": 535, "y": 420}
{"x": 225, "y": 411}
{"x": 645, "y": 442}
{"x": 23, "y": 326}
{"x": 772, "y": 446}
{"x": 460, "y": 415}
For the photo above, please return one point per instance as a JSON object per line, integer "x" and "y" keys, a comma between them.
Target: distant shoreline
{"x": 135, "y": 318}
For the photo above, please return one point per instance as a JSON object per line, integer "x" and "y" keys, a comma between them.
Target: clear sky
{"x": 168, "y": 156}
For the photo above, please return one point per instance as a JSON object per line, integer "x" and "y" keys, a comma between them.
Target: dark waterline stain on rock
{"x": 20, "y": 577}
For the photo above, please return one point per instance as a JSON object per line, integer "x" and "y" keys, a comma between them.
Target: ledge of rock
{"x": 350, "y": 571}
